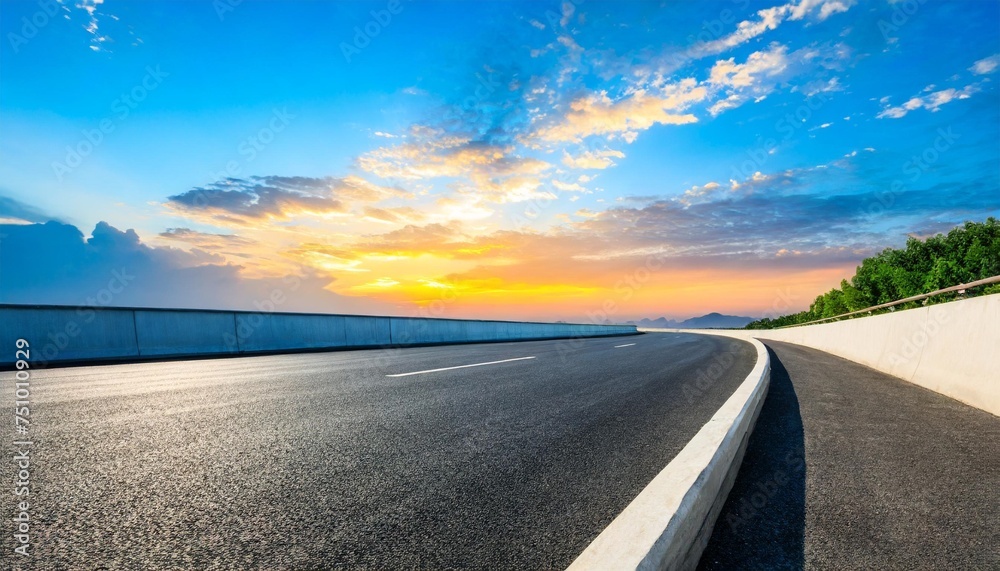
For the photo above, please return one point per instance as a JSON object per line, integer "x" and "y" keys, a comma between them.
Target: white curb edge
{"x": 669, "y": 523}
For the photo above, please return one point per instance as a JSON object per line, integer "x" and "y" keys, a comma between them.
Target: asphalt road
{"x": 850, "y": 468}
{"x": 324, "y": 460}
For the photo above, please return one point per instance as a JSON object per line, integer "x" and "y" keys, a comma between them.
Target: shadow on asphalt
{"x": 762, "y": 524}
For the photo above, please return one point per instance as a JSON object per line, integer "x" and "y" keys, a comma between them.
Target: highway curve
{"x": 324, "y": 460}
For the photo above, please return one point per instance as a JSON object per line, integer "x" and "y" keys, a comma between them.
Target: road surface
{"x": 850, "y": 468}
{"x": 370, "y": 459}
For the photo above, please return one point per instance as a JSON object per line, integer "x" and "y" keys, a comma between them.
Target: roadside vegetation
{"x": 967, "y": 253}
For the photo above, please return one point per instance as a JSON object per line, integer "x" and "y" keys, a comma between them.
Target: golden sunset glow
{"x": 540, "y": 161}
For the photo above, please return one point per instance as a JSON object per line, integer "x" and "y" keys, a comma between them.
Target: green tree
{"x": 854, "y": 300}
{"x": 966, "y": 253}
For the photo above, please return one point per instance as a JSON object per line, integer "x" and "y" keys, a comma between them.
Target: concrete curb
{"x": 667, "y": 526}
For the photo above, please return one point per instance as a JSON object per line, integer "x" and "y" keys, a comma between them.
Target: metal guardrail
{"x": 959, "y": 288}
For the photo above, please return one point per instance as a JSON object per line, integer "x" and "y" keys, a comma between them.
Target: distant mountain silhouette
{"x": 710, "y": 321}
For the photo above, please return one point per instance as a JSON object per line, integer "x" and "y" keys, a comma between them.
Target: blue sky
{"x": 523, "y": 156}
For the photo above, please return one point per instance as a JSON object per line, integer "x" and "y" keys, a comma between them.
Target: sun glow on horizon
{"x": 539, "y": 160}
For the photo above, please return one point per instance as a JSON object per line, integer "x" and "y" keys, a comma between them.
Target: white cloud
{"x": 699, "y": 193}
{"x": 823, "y": 8}
{"x": 817, "y": 87}
{"x": 931, "y": 102}
{"x": 767, "y": 19}
{"x": 986, "y": 65}
{"x": 766, "y": 70}
{"x": 90, "y": 7}
{"x": 754, "y": 79}
{"x": 727, "y": 73}
{"x": 568, "y": 187}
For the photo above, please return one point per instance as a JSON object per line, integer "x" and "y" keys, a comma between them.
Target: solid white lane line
{"x": 459, "y": 367}
{"x": 625, "y": 345}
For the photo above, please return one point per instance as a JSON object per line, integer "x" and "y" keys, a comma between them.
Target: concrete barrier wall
{"x": 364, "y": 331}
{"x": 270, "y": 332}
{"x": 162, "y": 333}
{"x": 68, "y": 333}
{"x": 60, "y": 334}
{"x": 951, "y": 348}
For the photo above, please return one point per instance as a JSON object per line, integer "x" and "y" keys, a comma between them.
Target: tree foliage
{"x": 967, "y": 253}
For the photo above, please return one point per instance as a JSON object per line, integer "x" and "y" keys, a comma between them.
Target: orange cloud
{"x": 493, "y": 173}
{"x": 592, "y": 159}
{"x": 598, "y": 114}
